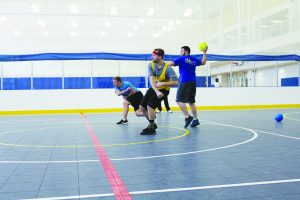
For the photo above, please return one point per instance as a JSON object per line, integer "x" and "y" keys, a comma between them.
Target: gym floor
{"x": 241, "y": 154}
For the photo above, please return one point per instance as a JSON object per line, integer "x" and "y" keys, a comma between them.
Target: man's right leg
{"x": 125, "y": 113}
{"x": 125, "y": 109}
{"x": 151, "y": 113}
{"x": 181, "y": 98}
{"x": 183, "y": 108}
{"x": 194, "y": 110}
{"x": 187, "y": 117}
{"x": 152, "y": 104}
{"x": 143, "y": 111}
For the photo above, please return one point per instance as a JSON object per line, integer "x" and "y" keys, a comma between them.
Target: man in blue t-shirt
{"x": 186, "y": 91}
{"x": 132, "y": 96}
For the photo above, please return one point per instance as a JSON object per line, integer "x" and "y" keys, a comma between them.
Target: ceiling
{"x": 122, "y": 25}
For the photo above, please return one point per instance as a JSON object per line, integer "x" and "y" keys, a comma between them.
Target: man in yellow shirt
{"x": 162, "y": 76}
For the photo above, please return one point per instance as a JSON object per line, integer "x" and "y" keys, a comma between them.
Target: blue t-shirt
{"x": 187, "y": 68}
{"x": 124, "y": 86}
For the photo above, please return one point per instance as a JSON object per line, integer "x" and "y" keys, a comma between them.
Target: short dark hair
{"x": 159, "y": 52}
{"x": 217, "y": 80}
{"x": 186, "y": 48}
{"x": 117, "y": 78}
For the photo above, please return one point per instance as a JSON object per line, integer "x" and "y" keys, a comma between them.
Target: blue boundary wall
{"x": 48, "y": 83}
{"x": 291, "y": 81}
{"x": 38, "y": 83}
{"x": 124, "y": 56}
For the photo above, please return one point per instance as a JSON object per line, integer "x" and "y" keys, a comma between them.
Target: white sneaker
{"x": 170, "y": 111}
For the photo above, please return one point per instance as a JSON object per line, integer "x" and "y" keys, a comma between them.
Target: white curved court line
{"x": 174, "y": 189}
{"x": 290, "y": 118}
{"x": 255, "y": 135}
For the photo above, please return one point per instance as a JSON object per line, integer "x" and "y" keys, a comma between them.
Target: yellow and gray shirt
{"x": 163, "y": 74}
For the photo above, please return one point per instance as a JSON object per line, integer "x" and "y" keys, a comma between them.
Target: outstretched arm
{"x": 169, "y": 83}
{"x": 171, "y": 63}
{"x": 204, "y": 56}
{"x": 119, "y": 93}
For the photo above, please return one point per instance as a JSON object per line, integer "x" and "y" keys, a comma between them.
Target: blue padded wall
{"x": 77, "y": 82}
{"x": 47, "y": 83}
{"x": 16, "y": 83}
{"x": 292, "y": 81}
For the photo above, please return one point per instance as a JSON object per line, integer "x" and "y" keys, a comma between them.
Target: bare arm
{"x": 169, "y": 83}
{"x": 171, "y": 63}
{"x": 204, "y": 57}
{"x": 119, "y": 93}
{"x": 153, "y": 84}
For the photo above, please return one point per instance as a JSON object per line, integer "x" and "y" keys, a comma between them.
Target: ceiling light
{"x": 35, "y": 8}
{"x": 103, "y": 34}
{"x": 73, "y": 34}
{"x": 178, "y": 22}
{"x": 74, "y": 24}
{"x": 188, "y": 12}
{"x": 136, "y": 27}
{"x": 164, "y": 28}
{"x": 156, "y": 35}
{"x": 129, "y": 34}
{"x": 141, "y": 21}
{"x": 41, "y": 23}
{"x": 171, "y": 23}
{"x": 17, "y": 33}
{"x": 3, "y": 18}
{"x": 276, "y": 21}
{"x": 107, "y": 24}
{"x": 150, "y": 11}
{"x": 113, "y": 10}
{"x": 74, "y": 9}
{"x": 264, "y": 26}
{"x": 46, "y": 34}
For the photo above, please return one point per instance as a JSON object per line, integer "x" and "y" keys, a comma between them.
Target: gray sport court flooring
{"x": 232, "y": 155}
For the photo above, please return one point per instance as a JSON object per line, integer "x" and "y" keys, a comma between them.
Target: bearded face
{"x": 155, "y": 58}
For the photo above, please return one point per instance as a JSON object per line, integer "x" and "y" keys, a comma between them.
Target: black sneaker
{"x": 188, "y": 121}
{"x": 150, "y": 130}
{"x": 155, "y": 126}
{"x": 195, "y": 123}
{"x": 122, "y": 122}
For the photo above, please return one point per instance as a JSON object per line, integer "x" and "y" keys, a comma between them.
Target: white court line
{"x": 291, "y": 137}
{"x": 175, "y": 189}
{"x": 290, "y": 118}
{"x": 255, "y": 135}
{"x": 286, "y": 136}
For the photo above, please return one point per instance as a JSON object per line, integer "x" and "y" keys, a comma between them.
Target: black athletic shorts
{"x": 186, "y": 92}
{"x": 135, "y": 99}
{"x": 150, "y": 98}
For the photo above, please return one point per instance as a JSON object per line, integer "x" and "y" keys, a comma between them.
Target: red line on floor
{"x": 118, "y": 186}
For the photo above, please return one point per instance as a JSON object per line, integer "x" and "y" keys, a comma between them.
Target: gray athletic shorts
{"x": 186, "y": 92}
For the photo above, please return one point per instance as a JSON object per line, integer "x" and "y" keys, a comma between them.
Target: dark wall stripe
{"x": 47, "y": 83}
